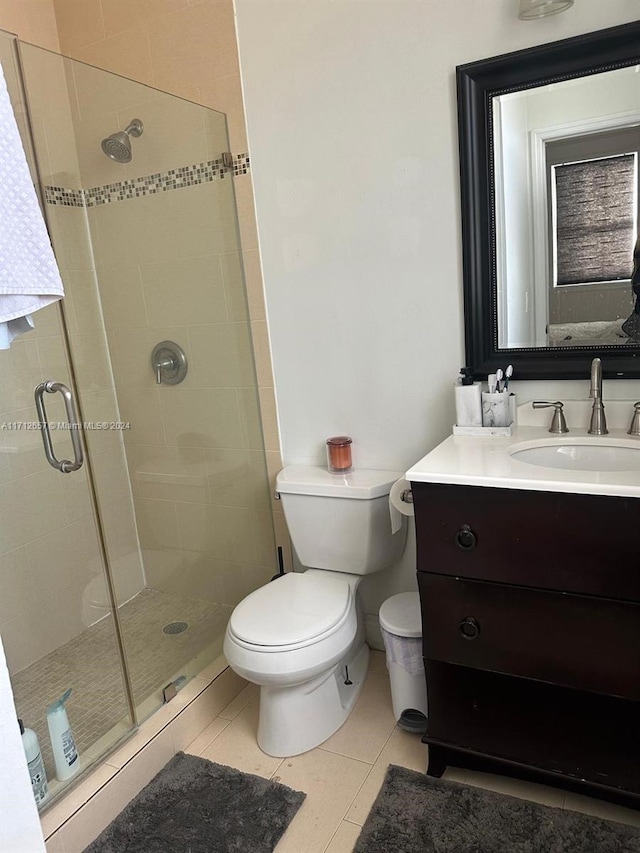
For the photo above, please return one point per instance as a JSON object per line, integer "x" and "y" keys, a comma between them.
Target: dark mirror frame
{"x": 478, "y": 83}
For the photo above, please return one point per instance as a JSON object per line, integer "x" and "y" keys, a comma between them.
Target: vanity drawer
{"x": 570, "y": 640}
{"x": 550, "y": 540}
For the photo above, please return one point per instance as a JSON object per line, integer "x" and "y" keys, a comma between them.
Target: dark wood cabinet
{"x": 531, "y": 635}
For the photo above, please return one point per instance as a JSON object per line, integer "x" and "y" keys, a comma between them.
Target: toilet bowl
{"x": 301, "y": 637}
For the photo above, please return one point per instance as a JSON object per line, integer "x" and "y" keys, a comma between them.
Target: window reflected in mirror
{"x": 566, "y": 190}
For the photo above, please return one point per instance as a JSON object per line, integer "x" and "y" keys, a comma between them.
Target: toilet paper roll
{"x": 399, "y": 506}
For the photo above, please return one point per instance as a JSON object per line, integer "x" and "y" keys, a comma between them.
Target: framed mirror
{"x": 550, "y": 183}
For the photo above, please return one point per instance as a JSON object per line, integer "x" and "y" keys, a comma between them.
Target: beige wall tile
{"x": 79, "y": 23}
{"x": 74, "y": 556}
{"x": 237, "y": 478}
{"x": 201, "y": 418}
{"x": 21, "y": 372}
{"x": 255, "y": 290}
{"x": 233, "y": 276}
{"x": 246, "y": 212}
{"x": 250, "y": 417}
{"x": 122, "y": 297}
{"x": 264, "y": 369}
{"x": 20, "y": 524}
{"x": 69, "y": 230}
{"x": 126, "y": 53}
{"x": 42, "y": 26}
{"x": 268, "y": 412}
{"x": 238, "y": 534}
{"x": 225, "y": 94}
{"x": 168, "y": 473}
{"x": 185, "y": 292}
{"x": 222, "y": 356}
{"x": 120, "y": 15}
{"x": 13, "y": 17}
{"x": 16, "y": 581}
{"x": 141, "y": 408}
{"x": 24, "y": 449}
{"x": 193, "y": 45}
{"x": 132, "y": 365}
{"x": 157, "y": 524}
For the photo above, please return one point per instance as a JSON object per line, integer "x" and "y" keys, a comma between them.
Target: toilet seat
{"x": 297, "y": 610}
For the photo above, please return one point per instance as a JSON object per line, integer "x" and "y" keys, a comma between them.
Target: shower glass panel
{"x": 170, "y": 519}
{"x": 51, "y": 550}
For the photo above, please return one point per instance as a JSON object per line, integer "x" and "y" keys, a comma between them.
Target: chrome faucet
{"x": 598, "y": 422}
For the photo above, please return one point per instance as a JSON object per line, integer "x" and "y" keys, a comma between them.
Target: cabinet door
{"x": 576, "y": 543}
{"x": 571, "y": 640}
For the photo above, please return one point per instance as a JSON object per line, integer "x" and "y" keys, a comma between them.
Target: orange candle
{"x": 339, "y": 454}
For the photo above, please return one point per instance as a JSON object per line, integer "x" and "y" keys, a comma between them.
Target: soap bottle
{"x": 65, "y": 754}
{"x": 468, "y": 398}
{"x": 35, "y": 763}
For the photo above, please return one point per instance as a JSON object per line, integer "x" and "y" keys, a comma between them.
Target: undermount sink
{"x": 597, "y": 454}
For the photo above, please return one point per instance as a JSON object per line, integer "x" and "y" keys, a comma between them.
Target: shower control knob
{"x": 169, "y": 363}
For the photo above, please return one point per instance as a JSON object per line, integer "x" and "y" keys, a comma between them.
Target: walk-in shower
{"x": 118, "y": 578}
{"x": 118, "y": 145}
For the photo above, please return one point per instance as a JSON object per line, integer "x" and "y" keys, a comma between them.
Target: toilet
{"x": 301, "y": 637}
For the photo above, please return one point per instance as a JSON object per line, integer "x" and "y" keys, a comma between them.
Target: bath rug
{"x": 415, "y": 813}
{"x": 195, "y": 806}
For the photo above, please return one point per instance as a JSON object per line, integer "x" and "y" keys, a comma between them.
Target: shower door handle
{"x": 65, "y": 466}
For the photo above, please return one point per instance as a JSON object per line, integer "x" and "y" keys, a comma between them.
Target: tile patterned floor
{"x": 90, "y": 665}
{"x": 342, "y": 777}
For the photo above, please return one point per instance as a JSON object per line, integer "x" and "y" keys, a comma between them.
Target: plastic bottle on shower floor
{"x": 35, "y": 763}
{"x": 65, "y": 754}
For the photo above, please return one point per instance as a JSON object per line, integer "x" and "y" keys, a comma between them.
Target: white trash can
{"x": 401, "y": 624}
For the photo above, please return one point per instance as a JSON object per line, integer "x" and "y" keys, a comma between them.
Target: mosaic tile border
{"x": 172, "y": 179}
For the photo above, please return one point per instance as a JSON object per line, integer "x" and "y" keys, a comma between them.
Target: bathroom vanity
{"x": 529, "y": 579}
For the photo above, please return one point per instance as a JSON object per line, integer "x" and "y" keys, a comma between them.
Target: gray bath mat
{"x": 195, "y": 806}
{"x": 415, "y": 813}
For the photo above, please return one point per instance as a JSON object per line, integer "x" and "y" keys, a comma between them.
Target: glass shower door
{"x": 52, "y": 561}
{"x": 140, "y": 199}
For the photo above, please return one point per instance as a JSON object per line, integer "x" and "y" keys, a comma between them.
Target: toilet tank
{"x": 340, "y": 522}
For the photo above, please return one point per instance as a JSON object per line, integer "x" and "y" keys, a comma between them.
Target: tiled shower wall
{"x": 187, "y": 48}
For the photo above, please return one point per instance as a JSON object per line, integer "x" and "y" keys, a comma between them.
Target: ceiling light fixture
{"x": 531, "y": 10}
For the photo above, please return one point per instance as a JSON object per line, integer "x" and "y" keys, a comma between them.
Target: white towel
{"x": 29, "y": 275}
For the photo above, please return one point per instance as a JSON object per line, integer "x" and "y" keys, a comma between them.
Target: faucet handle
{"x": 634, "y": 429}
{"x": 558, "y": 422}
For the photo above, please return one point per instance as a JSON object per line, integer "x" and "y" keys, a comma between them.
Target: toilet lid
{"x": 291, "y": 610}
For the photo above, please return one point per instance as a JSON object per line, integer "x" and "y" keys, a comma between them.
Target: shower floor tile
{"x": 90, "y": 665}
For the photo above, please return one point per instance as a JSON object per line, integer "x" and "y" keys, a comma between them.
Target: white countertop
{"x": 486, "y": 460}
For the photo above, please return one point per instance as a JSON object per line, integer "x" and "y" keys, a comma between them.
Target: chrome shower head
{"x": 118, "y": 145}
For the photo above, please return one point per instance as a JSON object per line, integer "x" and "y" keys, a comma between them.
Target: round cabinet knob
{"x": 466, "y": 538}
{"x": 469, "y": 628}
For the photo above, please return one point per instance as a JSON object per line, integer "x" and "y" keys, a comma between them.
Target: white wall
{"x": 351, "y": 114}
